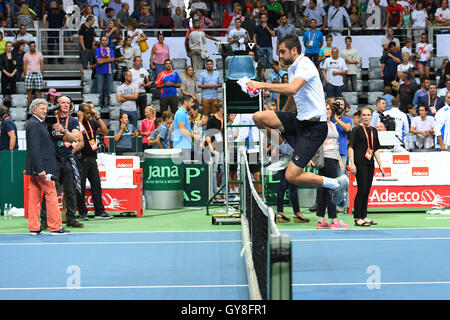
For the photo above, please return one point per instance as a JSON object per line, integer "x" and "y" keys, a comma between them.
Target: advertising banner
{"x": 197, "y": 184}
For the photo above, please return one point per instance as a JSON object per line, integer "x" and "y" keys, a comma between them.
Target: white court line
{"x": 368, "y": 239}
{"x": 118, "y": 242}
{"x": 129, "y": 287}
{"x": 362, "y": 230}
{"x": 136, "y": 232}
{"x": 371, "y": 283}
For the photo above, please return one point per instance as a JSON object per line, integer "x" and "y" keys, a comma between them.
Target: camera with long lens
{"x": 336, "y": 109}
{"x": 388, "y": 121}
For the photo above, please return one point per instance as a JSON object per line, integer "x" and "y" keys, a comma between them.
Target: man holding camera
{"x": 65, "y": 132}
{"x": 381, "y": 107}
{"x": 41, "y": 166}
{"x": 91, "y": 125}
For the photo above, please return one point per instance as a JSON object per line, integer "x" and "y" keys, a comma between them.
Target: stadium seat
{"x": 179, "y": 63}
{"x": 93, "y": 97}
{"x": 372, "y": 97}
{"x": 353, "y": 109}
{"x": 18, "y": 114}
{"x": 350, "y": 97}
{"x": 87, "y": 75}
{"x": 20, "y": 87}
{"x": 20, "y": 125}
{"x": 374, "y": 63}
{"x": 113, "y": 125}
{"x": 19, "y": 100}
{"x": 113, "y": 98}
{"x": 241, "y": 66}
{"x": 375, "y": 73}
{"x": 219, "y": 64}
{"x": 376, "y": 85}
{"x": 436, "y": 62}
{"x": 149, "y": 99}
{"x": 114, "y": 113}
{"x": 87, "y": 87}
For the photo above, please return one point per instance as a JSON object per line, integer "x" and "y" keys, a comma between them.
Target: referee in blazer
{"x": 41, "y": 166}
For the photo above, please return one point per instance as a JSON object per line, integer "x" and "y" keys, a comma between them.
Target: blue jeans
{"x": 265, "y": 56}
{"x": 333, "y": 91}
{"x": 104, "y": 88}
{"x": 132, "y": 117}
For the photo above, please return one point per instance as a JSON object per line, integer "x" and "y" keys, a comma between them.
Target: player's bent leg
{"x": 297, "y": 176}
{"x": 267, "y": 120}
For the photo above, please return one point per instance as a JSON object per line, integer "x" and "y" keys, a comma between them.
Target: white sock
{"x": 330, "y": 183}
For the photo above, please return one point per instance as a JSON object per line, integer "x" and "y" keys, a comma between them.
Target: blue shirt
{"x": 316, "y": 37}
{"x": 125, "y": 139}
{"x": 206, "y": 78}
{"x": 343, "y": 135}
{"x": 388, "y": 98}
{"x": 419, "y": 93}
{"x": 164, "y": 77}
{"x": 390, "y": 66}
{"x": 7, "y": 126}
{"x": 106, "y": 68}
{"x": 181, "y": 141}
{"x": 164, "y": 135}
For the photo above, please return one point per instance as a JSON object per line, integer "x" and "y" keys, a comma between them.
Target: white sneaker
{"x": 337, "y": 196}
{"x": 279, "y": 165}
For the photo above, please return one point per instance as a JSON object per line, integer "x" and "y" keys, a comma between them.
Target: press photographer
{"x": 64, "y": 132}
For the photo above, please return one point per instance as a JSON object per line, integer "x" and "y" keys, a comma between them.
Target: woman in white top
{"x": 136, "y": 35}
{"x": 419, "y": 17}
{"x": 128, "y": 52}
{"x": 90, "y": 12}
{"x": 424, "y": 53}
{"x": 405, "y": 66}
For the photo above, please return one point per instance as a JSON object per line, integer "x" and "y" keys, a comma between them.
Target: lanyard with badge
{"x": 432, "y": 108}
{"x": 369, "y": 151}
{"x": 311, "y": 42}
{"x": 92, "y": 141}
{"x": 64, "y": 142}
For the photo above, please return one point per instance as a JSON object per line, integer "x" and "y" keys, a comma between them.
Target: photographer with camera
{"x": 65, "y": 131}
{"x": 91, "y": 124}
{"x": 401, "y": 119}
{"x": 380, "y": 104}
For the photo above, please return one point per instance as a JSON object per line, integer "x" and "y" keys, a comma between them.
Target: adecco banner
{"x": 116, "y": 172}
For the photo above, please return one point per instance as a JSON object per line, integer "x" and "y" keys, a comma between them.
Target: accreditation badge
{"x": 310, "y": 43}
{"x": 369, "y": 154}
{"x": 93, "y": 144}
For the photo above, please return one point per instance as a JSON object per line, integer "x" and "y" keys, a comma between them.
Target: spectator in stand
{"x": 352, "y": 59}
{"x": 405, "y": 67}
{"x": 160, "y": 53}
{"x": 106, "y": 21}
{"x": 423, "y": 127}
{"x": 8, "y": 68}
{"x": 388, "y": 97}
{"x": 263, "y": 40}
{"x": 205, "y": 22}
{"x": 407, "y": 21}
{"x": 8, "y": 136}
{"x": 238, "y": 37}
{"x": 388, "y": 39}
{"x": 127, "y": 53}
{"x": 336, "y": 16}
{"x": 123, "y": 17}
{"x": 57, "y": 19}
{"x": 224, "y": 5}
{"x": 33, "y": 70}
{"x": 290, "y": 6}
{"x": 182, "y": 135}
{"x": 52, "y": 97}
{"x": 401, "y": 119}
{"x": 139, "y": 10}
{"x": 168, "y": 81}
{"x": 325, "y": 51}
{"x": 123, "y": 135}
{"x": 313, "y": 11}
{"x": 444, "y": 91}
{"x": 313, "y": 41}
{"x": 87, "y": 38}
{"x": 408, "y": 48}
{"x": 281, "y": 97}
{"x": 249, "y": 24}
{"x": 389, "y": 62}
{"x": 24, "y": 36}
{"x": 209, "y": 81}
{"x": 394, "y": 15}
{"x": 442, "y": 15}
{"x": 440, "y": 74}
{"x": 116, "y": 5}
{"x": 177, "y": 4}
{"x": 420, "y": 21}
{"x": 161, "y": 137}
{"x": 412, "y": 113}
{"x": 375, "y": 16}
{"x": 431, "y": 100}
{"x": 104, "y": 71}
{"x": 165, "y": 21}
{"x": 334, "y": 70}
{"x": 229, "y": 18}
{"x": 198, "y": 4}
{"x": 284, "y": 28}
{"x": 424, "y": 53}
{"x": 189, "y": 85}
{"x": 89, "y": 12}
{"x": 275, "y": 10}
{"x": 25, "y": 16}
{"x": 140, "y": 78}
{"x": 406, "y": 91}
{"x": 148, "y": 126}
{"x": 147, "y": 20}
{"x": 137, "y": 36}
{"x": 127, "y": 95}
{"x": 195, "y": 45}
{"x": 424, "y": 87}
{"x": 356, "y": 118}
{"x": 442, "y": 126}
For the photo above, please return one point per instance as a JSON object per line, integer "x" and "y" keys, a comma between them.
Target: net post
{"x": 280, "y": 267}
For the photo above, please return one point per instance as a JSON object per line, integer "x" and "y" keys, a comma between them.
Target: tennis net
{"x": 267, "y": 252}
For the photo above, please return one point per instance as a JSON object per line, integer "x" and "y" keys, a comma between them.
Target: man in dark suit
{"x": 41, "y": 166}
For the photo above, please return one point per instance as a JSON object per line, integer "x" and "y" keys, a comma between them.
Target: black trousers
{"x": 293, "y": 195}
{"x": 89, "y": 170}
{"x": 64, "y": 172}
{"x": 324, "y": 197}
{"x": 8, "y": 84}
{"x": 364, "y": 178}
{"x": 165, "y": 102}
{"x": 141, "y": 104}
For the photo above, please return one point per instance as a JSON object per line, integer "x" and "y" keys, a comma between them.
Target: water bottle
{"x": 10, "y": 213}
{"x": 5, "y": 212}
{"x": 144, "y": 204}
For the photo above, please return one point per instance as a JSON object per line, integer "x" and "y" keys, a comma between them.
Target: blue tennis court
{"x": 346, "y": 264}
